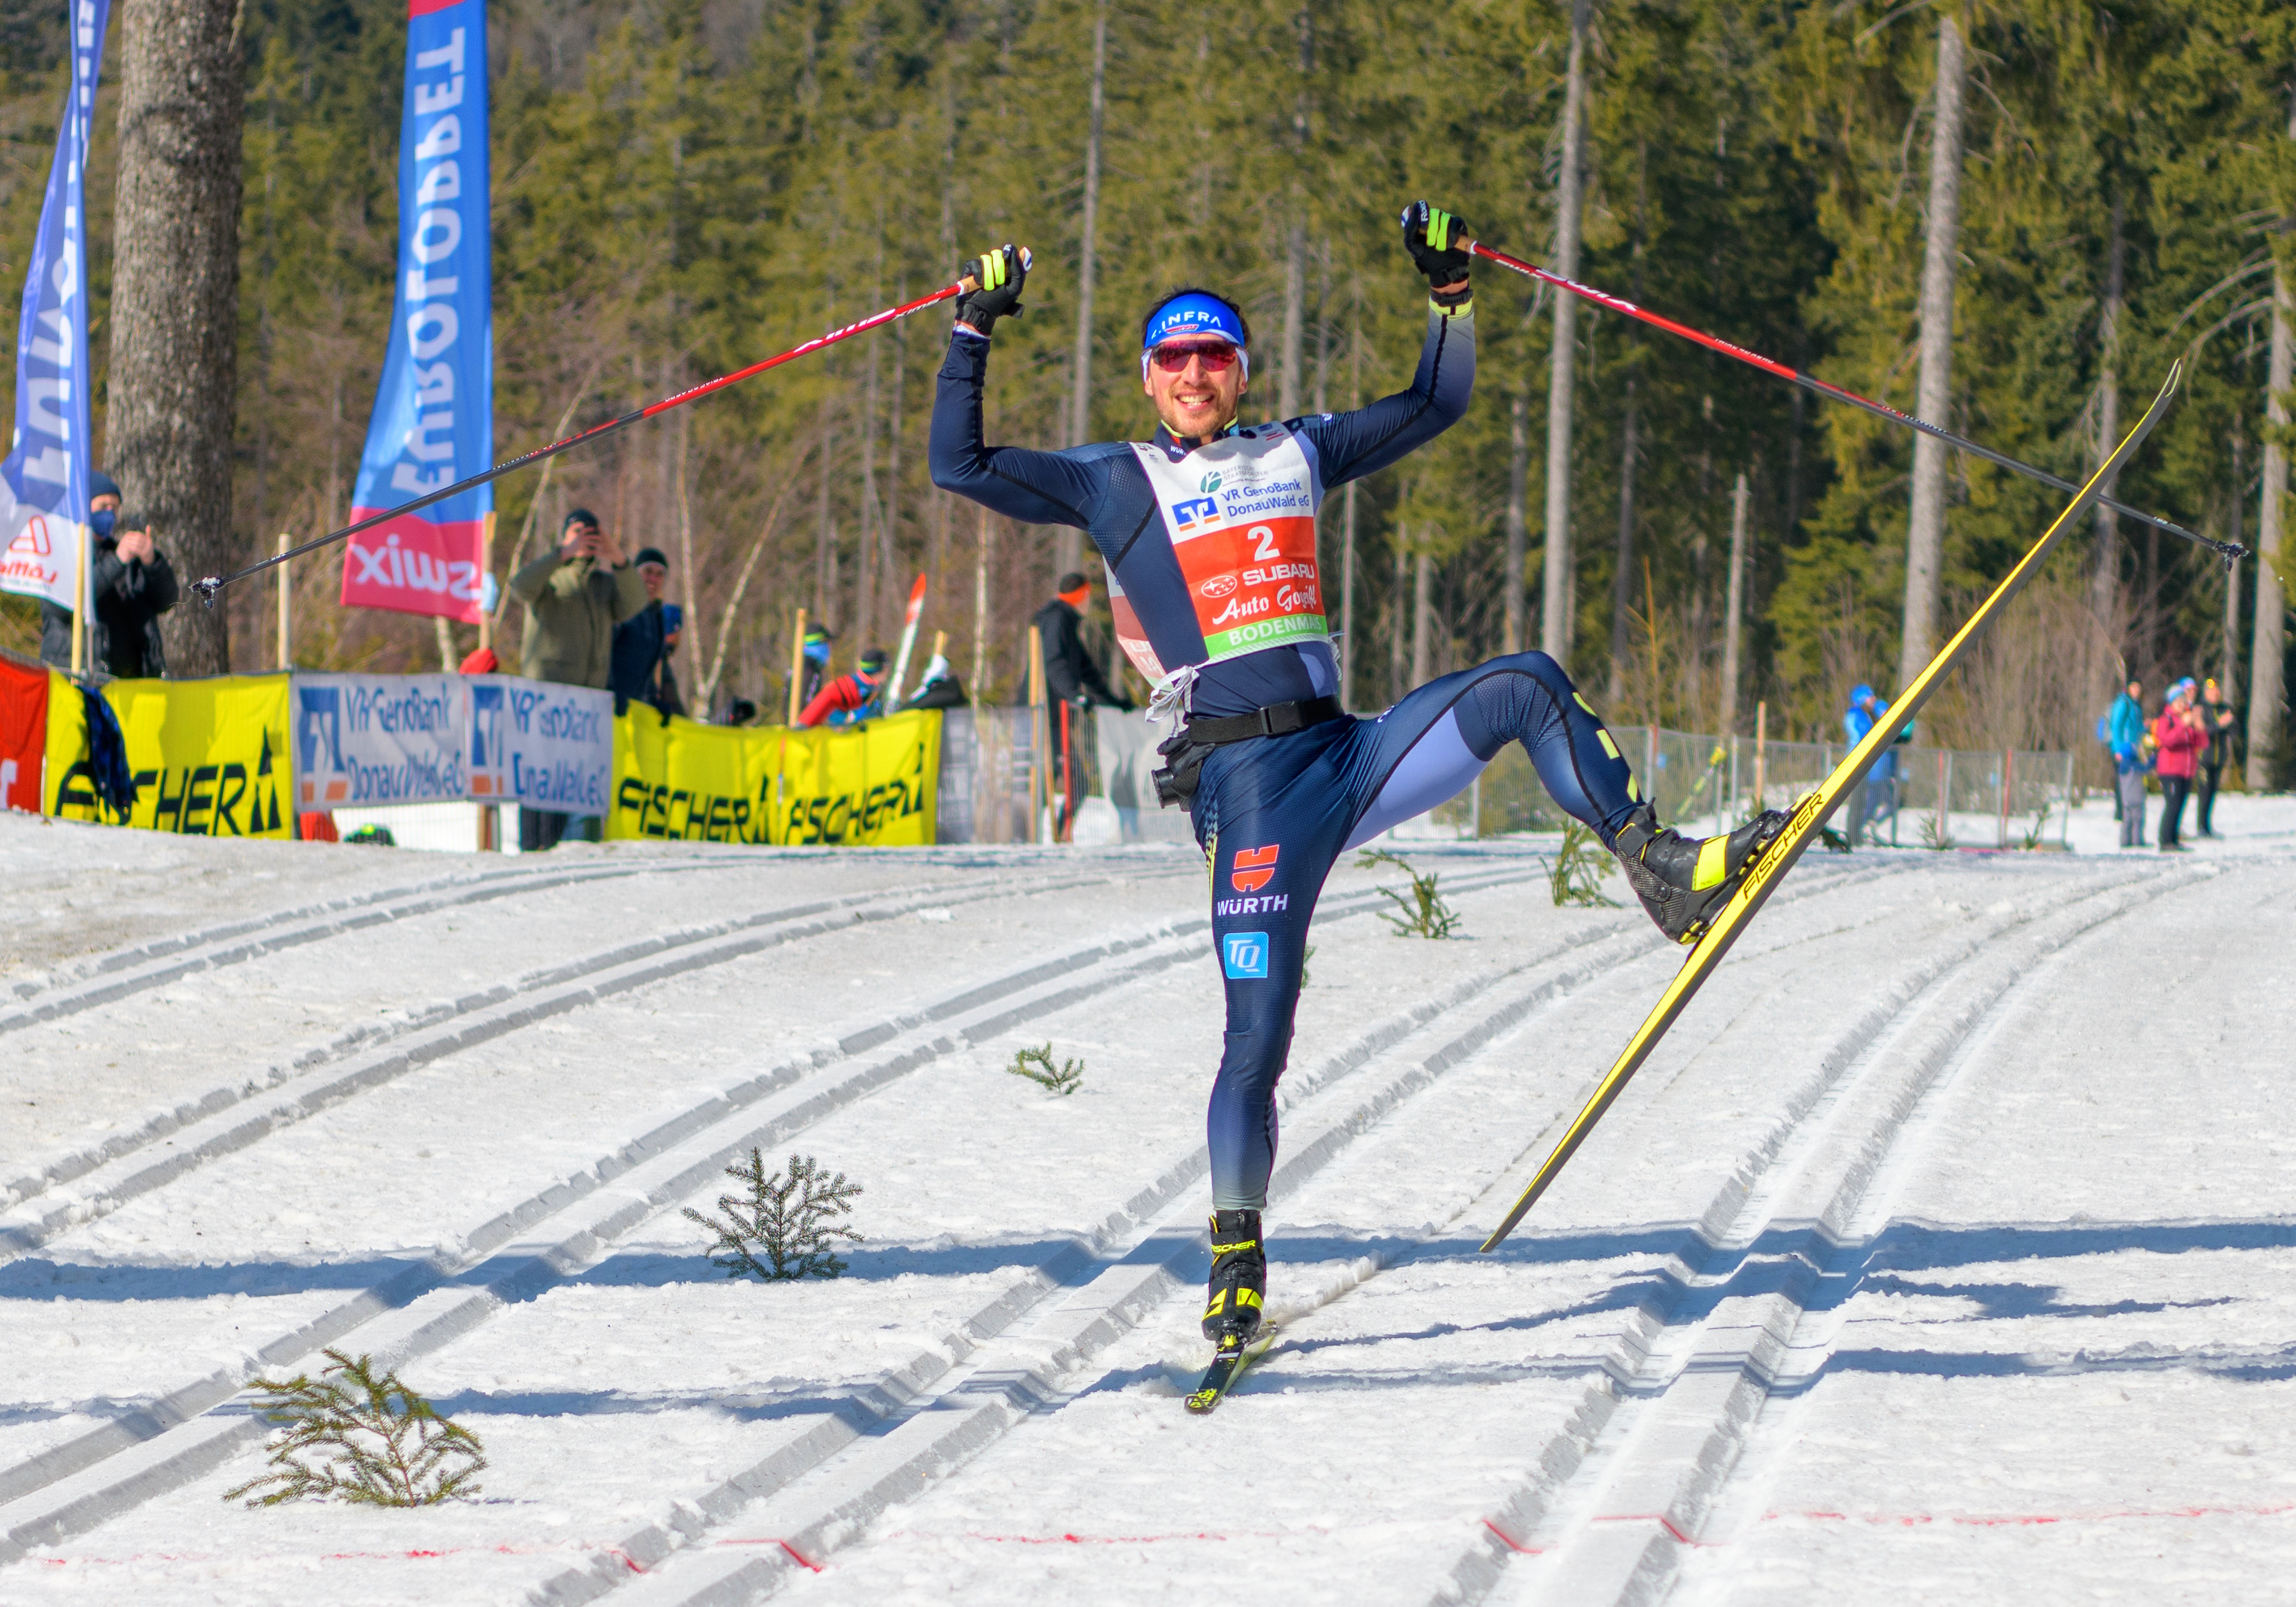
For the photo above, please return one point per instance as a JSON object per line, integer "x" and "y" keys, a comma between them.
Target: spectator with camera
{"x": 574, "y": 596}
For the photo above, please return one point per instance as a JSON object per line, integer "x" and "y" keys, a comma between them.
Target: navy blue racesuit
{"x": 1273, "y": 813}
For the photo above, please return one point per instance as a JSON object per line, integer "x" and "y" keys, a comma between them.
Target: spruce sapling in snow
{"x": 1425, "y": 912}
{"x": 367, "y": 1441}
{"x": 790, "y": 1222}
{"x": 1036, "y": 1066}
{"x": 1576, "y": 877}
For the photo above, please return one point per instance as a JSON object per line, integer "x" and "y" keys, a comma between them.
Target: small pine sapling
{"x": 1936, "y": 832}
{"x": 1575, "y": 876}
{"x": 349, "y": 1436}
{"x": 1036, "y": 1066}
{"x": 1305, "y": 961}
{"x": 786, "y": 1227}
{"x": 2031, "y": 837}
{"x": 1425, "y": 912}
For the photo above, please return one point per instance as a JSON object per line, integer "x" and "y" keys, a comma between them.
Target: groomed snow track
{"x": 1641, "y": 1376}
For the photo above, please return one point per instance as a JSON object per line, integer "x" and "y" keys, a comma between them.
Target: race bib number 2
{"x": 1254, "y": 584}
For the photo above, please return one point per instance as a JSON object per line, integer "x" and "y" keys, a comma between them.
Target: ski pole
{"x": 1762, "y": 873}
{"x": 209, "y": 587}
{"x": 2231, "y": 552}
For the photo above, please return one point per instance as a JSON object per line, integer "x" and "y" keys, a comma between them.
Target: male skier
{"x": 1209, "y": 533}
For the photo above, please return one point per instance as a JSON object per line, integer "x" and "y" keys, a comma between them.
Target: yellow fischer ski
{"x": 1764, "y": 873}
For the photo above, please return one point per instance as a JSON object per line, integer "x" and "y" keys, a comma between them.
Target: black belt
{"x": 1278, "y": 719}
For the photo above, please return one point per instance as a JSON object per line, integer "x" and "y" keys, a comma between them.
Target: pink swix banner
{"x": 433, "y": 421}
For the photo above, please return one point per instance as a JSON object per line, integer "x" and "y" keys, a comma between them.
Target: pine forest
{"x": 2010, "y": 216}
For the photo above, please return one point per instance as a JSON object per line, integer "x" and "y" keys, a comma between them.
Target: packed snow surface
{"x": 1945, "y": 1250}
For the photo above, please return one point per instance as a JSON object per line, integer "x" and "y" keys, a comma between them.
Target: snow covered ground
{"x": 1943, "y": 1251}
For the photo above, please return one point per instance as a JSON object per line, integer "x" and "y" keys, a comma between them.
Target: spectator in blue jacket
{"x": 2125, "y": 734}
{"x": 1876, "y": 795}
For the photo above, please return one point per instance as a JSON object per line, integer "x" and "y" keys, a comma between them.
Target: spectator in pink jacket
{"x": 2178, "y": 734}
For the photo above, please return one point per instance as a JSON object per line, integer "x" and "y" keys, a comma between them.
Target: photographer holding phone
{"x": 643, "y": 642}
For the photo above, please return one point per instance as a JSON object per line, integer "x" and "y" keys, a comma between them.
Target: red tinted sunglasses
{"x": 1218, "y": 356}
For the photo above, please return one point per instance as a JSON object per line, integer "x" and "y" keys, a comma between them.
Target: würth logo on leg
{"x": 1254, "y": 868}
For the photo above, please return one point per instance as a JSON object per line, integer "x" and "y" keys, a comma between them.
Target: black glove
{"x": 1436, "y": 241}
{"x": 999, "y": 274}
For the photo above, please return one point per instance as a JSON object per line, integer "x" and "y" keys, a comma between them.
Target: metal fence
{"x": 1937, "y": 798}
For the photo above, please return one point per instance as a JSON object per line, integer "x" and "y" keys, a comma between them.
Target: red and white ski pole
{"x": 2231, "y": 552}
{"x": 207, "y": 587}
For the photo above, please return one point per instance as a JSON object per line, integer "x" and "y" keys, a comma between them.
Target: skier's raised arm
{"x": 1349, "y": 445}
{"x": 1035, "y": 487}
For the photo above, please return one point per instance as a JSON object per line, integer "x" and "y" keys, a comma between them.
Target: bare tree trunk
{"x": 1554, "y": 616}
{"x": 1736, "y": 606}
{"x": 824, "y": 542}
{"x": 2265, "y": 693}
{"x": 2232, "y": 570}
{"x": 865, "y": 557}
{"x": 2105, "y": 579}
{"x": 1423, "y": 620}
{"x": 1518, "y": 496}
{"x": 1622, "y": 584}
{"x": 1395, "y": 633}
{"x": 1295, "y": 241}
{"x": 1068, "y": 545}
{"x": 1925, "y": 529}
{"x": 980, "y": 612}
{"x": 175, "y": 297}
{"x": 937, "y": 556}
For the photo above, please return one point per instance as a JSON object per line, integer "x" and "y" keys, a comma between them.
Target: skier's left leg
{"x": 1430, "y": 746}
{"x": 1275, "y": 812}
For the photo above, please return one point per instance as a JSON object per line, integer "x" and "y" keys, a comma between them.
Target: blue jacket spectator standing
{"x": 1876, "y": 793}
{"x": 2125, "y": 734}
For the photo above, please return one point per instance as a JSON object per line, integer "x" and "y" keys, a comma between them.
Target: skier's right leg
{"x": 1432, "y": 744}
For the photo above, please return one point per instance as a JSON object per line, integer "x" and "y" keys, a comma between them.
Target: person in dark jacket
{"x": 134, "y": 585}
{"x": 1071, "y": 677}
{"x": 1070, "y": 673}
{"x": 642, "y": 643}
{"x": 818, "y": 640}
{"x": 2223, "y": 727}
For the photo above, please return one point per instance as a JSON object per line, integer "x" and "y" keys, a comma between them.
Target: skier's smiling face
{"x": 1196, "y": 386}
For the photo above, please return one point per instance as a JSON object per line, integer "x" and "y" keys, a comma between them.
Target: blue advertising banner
{"x": 44, "y": 480}
{"x": 433, "y": 421}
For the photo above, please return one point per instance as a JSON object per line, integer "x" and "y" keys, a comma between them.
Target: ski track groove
{"x": 197, "y": 1436}
{"x": 1140, "y": 1268}
{"x": 484, "y": 1015}
{"x": 1634, "y": 1443}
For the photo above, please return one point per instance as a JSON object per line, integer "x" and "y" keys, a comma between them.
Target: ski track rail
{"x": 181, "y": 1433}
{"x": 1629, "y": 1485}
{"x": 921, "y": 1419}
{"x": 820, "y": 1492}
{"x": 486, "y": 1014}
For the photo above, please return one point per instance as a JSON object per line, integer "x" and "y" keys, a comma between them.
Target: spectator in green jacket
{"x": 574, "y": 598}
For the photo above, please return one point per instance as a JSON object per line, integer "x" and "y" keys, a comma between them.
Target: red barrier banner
{"x": 23, "y": 734}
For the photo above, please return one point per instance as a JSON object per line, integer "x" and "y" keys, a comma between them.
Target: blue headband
{"x": 1191, "y": 316}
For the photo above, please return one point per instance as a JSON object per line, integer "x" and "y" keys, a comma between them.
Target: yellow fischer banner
{"x": 209, "y": 757}
{"x": 875, "y": 785}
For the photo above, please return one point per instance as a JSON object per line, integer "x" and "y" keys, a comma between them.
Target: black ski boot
{"x": 1239, "y": 1277}
{"x": 1685, "y": 882}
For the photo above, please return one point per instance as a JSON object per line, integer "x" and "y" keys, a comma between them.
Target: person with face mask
{"x": 1208, "y": 533}
{"x": 133, "y": 585}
